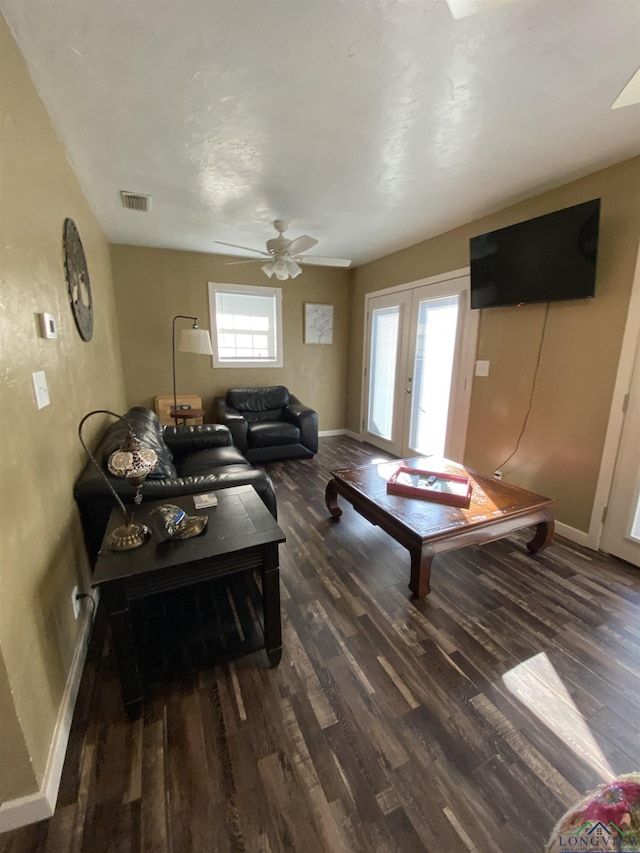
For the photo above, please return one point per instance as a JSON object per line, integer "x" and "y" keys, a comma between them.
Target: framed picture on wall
{"x": 318, "y": 323}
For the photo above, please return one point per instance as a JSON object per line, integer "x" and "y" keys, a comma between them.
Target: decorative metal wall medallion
{"x": 78, "y": 284}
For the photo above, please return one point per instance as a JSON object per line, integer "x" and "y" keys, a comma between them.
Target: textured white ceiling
{"x": 368, "y": 125}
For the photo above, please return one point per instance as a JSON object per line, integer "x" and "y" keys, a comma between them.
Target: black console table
{"x": 184, "y": 603}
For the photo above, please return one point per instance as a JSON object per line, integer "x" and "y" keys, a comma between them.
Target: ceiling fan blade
{"x": 319, "y": 261}
{"x": 244, "y": 248}
{"x": 248, "y": 261}
{"x": 300, "y": 244}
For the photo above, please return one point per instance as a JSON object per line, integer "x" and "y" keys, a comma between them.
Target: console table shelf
{"x": 198, "y": 626}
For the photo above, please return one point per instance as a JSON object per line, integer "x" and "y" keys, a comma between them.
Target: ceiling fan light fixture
{"x": 281, "y": 269}
{"x": 293, "y": 268}
{"x": 268, "y": 268}
{"x": 283, "y": 255}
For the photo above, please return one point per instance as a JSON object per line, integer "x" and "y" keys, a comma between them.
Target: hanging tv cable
{"x": 533, "y": 390}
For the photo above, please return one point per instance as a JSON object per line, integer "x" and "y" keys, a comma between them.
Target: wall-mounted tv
{"x": 546, "y": 259}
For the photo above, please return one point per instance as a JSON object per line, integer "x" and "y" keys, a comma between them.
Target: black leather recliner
{"x": 191, "y": 460}
{"x": 268, "y": 423}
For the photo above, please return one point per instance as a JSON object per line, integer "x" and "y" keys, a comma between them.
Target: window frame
{"x": 249, "y": 290}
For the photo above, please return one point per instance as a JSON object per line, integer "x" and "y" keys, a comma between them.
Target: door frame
{"x": 468, "y": 347}
{"x": 613, "y": 436}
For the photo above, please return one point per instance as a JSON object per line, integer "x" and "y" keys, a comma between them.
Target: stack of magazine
{"x": 204, "y": 501}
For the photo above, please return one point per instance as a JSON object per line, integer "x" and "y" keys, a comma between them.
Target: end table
{"x": 185, "y": 415}
{"x": 193, "y": 602}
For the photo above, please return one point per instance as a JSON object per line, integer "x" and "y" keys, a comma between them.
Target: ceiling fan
{"x": 285, "y": 255}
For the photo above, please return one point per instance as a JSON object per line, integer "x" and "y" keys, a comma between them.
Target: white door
{"x": 418, "y": 367}
{"x": 621, "y": 531}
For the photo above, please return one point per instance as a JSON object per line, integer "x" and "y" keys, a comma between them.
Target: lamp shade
{"x": 195, "y": 340}
{"x": 133, "y": 461}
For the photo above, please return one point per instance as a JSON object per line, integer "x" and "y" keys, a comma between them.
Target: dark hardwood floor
{"x": 469, "y": 721}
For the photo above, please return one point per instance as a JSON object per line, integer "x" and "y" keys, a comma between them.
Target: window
{"x": 246, "y": 325}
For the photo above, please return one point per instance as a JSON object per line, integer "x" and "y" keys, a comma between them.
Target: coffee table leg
{"x": 331, "y": 499}
{"x": 421, "y": 559}
{"x": 542, "y": 536}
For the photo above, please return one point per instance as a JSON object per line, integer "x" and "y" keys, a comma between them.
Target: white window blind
{"x": 247, "y": 325}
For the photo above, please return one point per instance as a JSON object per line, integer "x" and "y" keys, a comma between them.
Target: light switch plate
{"x": 482, "y": 368}
{"x": 40, "y": 386}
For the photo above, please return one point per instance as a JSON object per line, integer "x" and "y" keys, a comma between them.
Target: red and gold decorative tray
{"x": 453, "y": 489}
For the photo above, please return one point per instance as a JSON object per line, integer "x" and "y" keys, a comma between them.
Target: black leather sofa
{"x": 191, "y": 460}
{"x": 268, "y": 423}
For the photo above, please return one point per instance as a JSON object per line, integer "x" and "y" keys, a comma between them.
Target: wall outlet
{"x": 497, "y": 475}
{"x": 74, "y": 602}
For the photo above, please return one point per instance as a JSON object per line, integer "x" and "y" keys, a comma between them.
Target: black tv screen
{"x": 549, "y": 258}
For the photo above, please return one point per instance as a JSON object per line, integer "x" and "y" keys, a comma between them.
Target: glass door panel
{"x": 385, "y": 329}
{"x": 437, "y": 325}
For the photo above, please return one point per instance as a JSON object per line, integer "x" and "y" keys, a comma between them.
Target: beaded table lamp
{"x": 132, "y": 461}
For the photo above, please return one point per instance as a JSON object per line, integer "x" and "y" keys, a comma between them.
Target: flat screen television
{"x": 546, "y": 259}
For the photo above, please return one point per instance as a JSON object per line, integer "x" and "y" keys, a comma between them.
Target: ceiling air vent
{"x": 136, "y": 201}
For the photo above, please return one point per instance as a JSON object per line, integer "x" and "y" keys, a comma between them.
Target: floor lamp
{"x": 191, "y": 340}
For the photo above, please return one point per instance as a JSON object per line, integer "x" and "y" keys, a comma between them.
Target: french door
{"x": 621, "y": 531}
{"x": 419, "y": 353}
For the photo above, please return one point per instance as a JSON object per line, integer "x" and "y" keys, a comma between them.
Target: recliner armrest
{"x": 233, "y": 419}
{"x": 305, "y": 419}
{"x": 188, "y": 439}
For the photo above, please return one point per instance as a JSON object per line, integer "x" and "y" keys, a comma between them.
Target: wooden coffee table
{"x": 427, "y": 528}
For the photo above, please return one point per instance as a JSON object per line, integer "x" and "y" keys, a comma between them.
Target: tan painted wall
{"x": 562, "y": 447}
{"x": 42, "y": 550}
{"x": 153, "y": 285}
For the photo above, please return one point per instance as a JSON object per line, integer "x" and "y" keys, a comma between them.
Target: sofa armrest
{"x": 233, "y": 419}
{"x": 305, "y": 419}
{"x": 187, "y": 439}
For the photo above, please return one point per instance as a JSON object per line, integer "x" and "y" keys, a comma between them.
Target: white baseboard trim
{"x": 329, "y": 432}
{"x": 577, "y": 536}
{"x": 42, "y": 804}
